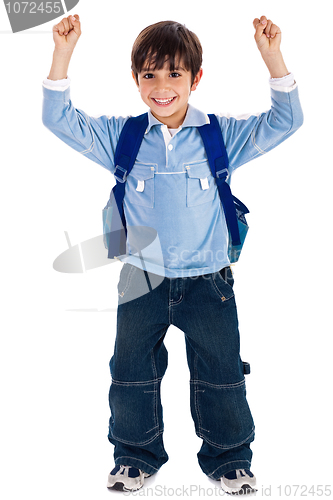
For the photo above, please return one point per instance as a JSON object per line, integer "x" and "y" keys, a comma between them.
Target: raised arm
{"x": 249, "y": 136}
{"x": 65, "y": 36}
{"x": 94, "y": 137}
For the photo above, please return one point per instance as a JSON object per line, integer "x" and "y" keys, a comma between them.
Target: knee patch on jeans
{"x": 135, "y": 412}
{"x": 221, "y": 414}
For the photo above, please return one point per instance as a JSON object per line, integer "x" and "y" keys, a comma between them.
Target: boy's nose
{"x": 162, "y": 85}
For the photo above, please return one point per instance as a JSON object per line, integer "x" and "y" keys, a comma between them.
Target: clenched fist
{"x": 267, "y": 36}
{"x": 67, "y": 32}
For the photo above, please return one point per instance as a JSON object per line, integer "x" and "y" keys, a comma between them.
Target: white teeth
{"x": 164, "y": 101}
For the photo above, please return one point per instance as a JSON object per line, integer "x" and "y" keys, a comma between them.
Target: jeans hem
{"x": 135, "y": 462}
{"x": 225, "y": 468}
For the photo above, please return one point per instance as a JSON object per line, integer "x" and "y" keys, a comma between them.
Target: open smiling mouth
{"x": 163, "y": 102}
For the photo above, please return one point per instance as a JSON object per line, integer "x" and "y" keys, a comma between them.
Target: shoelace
{"x": 125, "y": 468}
{"x": 122, "y": 470}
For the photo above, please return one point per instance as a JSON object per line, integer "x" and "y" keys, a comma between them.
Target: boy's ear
{"x": 134, "y": 78}
{"x": 197, "y": 79}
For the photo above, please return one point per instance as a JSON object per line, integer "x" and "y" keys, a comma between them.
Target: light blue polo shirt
{"x": 170, "y": 188}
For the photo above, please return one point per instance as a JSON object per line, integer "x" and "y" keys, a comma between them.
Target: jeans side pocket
{"x": 222, "y": 287}
{"x": 227, "y": 276}
{"x": 125, "y": 278}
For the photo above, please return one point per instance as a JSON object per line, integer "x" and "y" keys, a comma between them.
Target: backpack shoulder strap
{"x": 128, "y": 145}
{"x": 127, "y": 149}
{"x": 215, "y": 149}
{"x": 211, "y": 135}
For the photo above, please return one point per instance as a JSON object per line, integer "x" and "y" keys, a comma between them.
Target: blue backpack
{"x": 114, "y": 223}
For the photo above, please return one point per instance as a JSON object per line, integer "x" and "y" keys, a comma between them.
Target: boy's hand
{"x": 66, "y": 33}
{"x": 65, "y": 36}
{"x": 267, "y": 36}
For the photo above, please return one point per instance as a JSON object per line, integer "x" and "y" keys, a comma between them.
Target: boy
{"x": 171, "y": 190}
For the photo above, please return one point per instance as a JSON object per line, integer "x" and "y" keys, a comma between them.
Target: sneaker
{"x": 126, "y": 478}
{"x": 240, "y": 481}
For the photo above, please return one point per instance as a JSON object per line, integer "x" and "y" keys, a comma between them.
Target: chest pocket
{"x": 140, "y": 185}
{"x": 201, "y": 187}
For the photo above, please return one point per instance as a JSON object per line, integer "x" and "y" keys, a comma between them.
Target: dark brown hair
{"x": 166, "y": 41}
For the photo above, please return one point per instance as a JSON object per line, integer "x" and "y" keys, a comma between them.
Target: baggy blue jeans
{"x": 204, "y": 308}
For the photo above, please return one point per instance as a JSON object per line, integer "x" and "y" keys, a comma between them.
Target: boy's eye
{"x": 174, "y": 74}
{"x": 148, "y": 75}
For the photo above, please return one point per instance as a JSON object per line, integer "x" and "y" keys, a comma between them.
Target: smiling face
{"x": 167, "y": 92}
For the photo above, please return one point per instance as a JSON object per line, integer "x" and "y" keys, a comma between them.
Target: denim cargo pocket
{"x": 140, "y": 185}
{"x": 221, "y": 414}
{"x": 201, "y": 187}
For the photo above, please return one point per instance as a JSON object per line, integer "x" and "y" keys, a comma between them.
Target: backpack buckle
{"x": 225, "y": 173}
{"x": 120, "y": 174}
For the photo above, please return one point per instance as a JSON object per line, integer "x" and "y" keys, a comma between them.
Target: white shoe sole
{"x": 246, "y": 489}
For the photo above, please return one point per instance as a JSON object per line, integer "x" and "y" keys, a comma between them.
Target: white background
{"x": 54, "y": 361}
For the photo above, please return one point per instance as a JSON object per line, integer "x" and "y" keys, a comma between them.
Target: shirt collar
{"x": 194, "y": 118}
